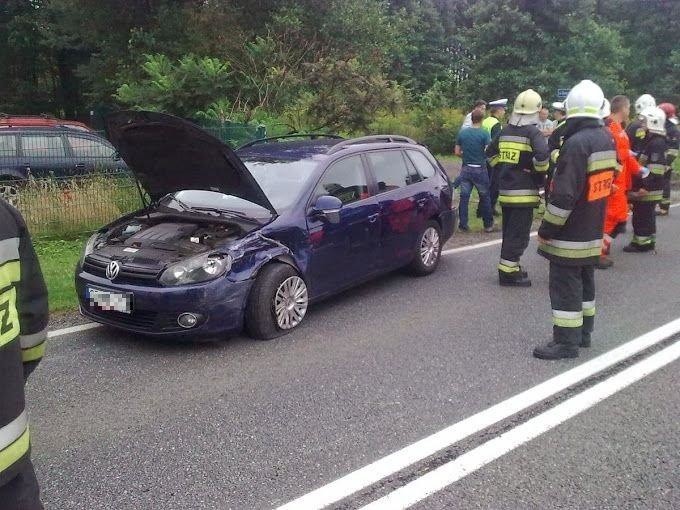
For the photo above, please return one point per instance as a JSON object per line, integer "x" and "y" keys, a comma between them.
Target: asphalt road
{"x": 122, "y": 422}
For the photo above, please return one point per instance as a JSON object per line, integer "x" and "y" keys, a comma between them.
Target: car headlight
{"x": 90, "y": 245}
{"x": 196, "y": 269}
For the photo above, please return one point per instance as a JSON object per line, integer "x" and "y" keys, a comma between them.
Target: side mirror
{"x": 327, "y": 207}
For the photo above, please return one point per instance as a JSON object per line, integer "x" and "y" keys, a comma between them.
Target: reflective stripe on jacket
{"x": 23, "y": 331}
{"x": 574, "y": 217}
{"x": 520, "y": 156}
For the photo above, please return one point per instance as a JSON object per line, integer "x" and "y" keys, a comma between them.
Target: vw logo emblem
{"x": 112, "y": 270}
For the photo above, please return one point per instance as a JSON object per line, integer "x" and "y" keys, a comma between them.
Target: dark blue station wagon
{"x": 249, "y": 238}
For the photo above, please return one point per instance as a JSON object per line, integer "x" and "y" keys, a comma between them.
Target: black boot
{"x": 585, "y": 340}
{"x": 554, "y": 350}
{"x": 638, "y": 248}
{"x": 517, "y": 279}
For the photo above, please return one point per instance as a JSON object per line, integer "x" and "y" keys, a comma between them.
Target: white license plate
{"x": 110, "y": 301}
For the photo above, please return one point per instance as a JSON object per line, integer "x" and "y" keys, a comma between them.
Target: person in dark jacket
{"x": 647, "y": 190}
{"x": 673, "y": 145}
{"x": 637, "y": 134}
{"x": 520, "y": 157}
{"x": 23, "y": 331}
{"x": 570, "y": 236}
{"x": 555, "y": 142}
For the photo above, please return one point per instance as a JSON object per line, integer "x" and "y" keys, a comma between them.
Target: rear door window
{"x": 346, "y": 180}
{"x": 8, "y": 145}
{"x": 43, "y": 146}
{"x": 389, "y": 168}
{"x": 87, "y": 148}
{"x": 424, "y": 166}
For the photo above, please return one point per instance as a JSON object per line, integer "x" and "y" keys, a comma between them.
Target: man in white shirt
{"x": 479, "y": 106}
{"x": 545, "y": 125}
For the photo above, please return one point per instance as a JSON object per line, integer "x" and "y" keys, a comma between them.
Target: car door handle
{"x": 80, "y": 165}
{"x": 373, "y": 217}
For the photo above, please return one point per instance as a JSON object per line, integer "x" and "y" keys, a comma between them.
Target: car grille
{"x": 132, "y": 275}
{"x": 143, "y": 320}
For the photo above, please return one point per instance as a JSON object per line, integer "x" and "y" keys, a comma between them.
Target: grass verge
{"x": 58, "y": 259}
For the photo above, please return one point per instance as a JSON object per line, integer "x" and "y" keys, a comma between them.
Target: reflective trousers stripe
{"x": 508, "y": 269}
{"x": 551, "y": 218}
{"x": 567, "y": 319}
{"x": 642, "y": 240}
{"x": 589, "y": 308}
{"x": 11, "y": 432}
{"x": 33, "y": 346}
{"x": 656, "y": 169}
{"x": 10, "y": 455}
{"x": 652, "y": 196}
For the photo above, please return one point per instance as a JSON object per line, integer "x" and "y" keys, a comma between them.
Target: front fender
{"x": 252, "y": 255}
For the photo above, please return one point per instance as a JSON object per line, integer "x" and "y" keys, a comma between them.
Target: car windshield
{"x": 281, "y": 181}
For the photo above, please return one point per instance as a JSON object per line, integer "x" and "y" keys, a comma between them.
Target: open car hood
{"x": 169, "y": 154}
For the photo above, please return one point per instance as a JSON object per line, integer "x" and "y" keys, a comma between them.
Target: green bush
{"x": 437, "y": 128}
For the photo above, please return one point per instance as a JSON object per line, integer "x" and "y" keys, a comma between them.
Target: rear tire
{"x": 428, "y": 250}
{"x": 277, "y": 303}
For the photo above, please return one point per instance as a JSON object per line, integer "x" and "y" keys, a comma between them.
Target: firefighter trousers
{"x": 572, "y": 297}
{"x": 516, "y": 229}
{"x": 644, "y": 223}
{"x": 666, "y": 200}
{"x": 22, "y": 491}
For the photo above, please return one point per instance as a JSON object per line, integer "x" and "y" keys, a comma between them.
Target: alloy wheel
{"x": 429, "y": 247}
{"x": 290, "y": 302}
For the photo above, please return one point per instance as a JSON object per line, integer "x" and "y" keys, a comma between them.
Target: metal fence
{"x": 64, "y": 207}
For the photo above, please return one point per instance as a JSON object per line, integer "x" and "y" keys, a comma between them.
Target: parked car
{"x": 7, "y": 121}
{"x": 54, "y": 151}
{"x": 251, "y": 237}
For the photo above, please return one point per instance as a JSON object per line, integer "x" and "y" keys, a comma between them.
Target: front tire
{"x": 277, "y": 304}
{"x": 428, "y": 250}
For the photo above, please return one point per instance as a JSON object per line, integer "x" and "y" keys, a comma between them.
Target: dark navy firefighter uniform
{"x": 23, "y": 331}
{"x": 673, "y": 144}
{"x": 653, "y": 156}
{"x": 572, "y": 227}
{"x": 520, "y": 156}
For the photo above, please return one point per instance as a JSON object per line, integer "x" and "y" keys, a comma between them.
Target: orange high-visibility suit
{"x": 617, "y": 203}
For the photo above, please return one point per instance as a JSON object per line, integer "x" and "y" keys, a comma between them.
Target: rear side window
{"x": 389, "y": 169}
{"x": 346, "y": 180}
{"x": 424, "y": 166}
{"x": 42, "y": 146}
{"x": 8, "y": 145}
{"x": 86, "y": 148}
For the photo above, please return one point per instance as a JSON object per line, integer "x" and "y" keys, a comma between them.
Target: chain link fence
{"x": 67, "y": 207}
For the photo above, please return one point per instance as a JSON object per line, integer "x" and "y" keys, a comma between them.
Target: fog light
{"x": 187, "y": 320}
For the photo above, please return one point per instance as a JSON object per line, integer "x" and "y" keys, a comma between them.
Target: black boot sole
{"x": 554, "y": 357}
{"x": 526, "y": 283}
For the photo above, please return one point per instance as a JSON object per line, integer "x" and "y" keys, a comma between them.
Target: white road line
{"x": 477, "y": 458}
{"x": 72, "y": 329}
{"x": 416, "y": 452}
{"x": 478, "y": 245}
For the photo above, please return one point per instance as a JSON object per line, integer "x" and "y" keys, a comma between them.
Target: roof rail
{"x": 371, "y": 139}
{"x": 312, "y": 136}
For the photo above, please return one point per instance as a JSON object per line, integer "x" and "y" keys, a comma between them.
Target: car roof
{"x": 47, "y": 129}
{"x": 40, "y": 120}
{"x": 306, "y": 149}
{"x": 294, "y": 150}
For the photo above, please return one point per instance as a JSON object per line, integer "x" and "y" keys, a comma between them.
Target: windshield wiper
{"x": 221, "y": 211}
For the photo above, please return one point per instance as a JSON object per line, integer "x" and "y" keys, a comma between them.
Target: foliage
{"x": 307, "y": 63}
{"x": 58, "y": 259}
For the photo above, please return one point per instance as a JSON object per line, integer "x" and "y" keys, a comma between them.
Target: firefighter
{"x": 673, "y": 143}
{"x": 492, "y": 124}
{"x": 520, "y": 156}
{"x": 570, "y": 235}
{"x": 647, "y": 188}
{"x": 636, "y": 130}
{"x": 555, "y": 142}
{"x": 617, "y": 203}
{"x": 23, "y": 322}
